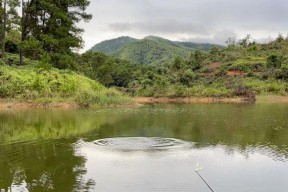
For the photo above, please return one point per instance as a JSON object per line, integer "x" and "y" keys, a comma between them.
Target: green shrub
{"x": 249, "y": 64}
{"x": 273, "y": 61}
{"x": 268, "y": 86}
{"x": 33, "y": 84}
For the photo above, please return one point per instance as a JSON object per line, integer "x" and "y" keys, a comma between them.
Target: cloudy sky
{"x": 210, "y": 21}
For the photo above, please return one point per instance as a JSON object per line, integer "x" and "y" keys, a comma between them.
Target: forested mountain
{"x": 243, "y": 68}
{"x": 201, "y": 46}
{"x": 112, "y": 45}
{"x": 150, "y": 50}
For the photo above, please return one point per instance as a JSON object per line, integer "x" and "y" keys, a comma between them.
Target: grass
{"x": 249, "y": 64}
{"x": 184, "y": 91}
{"x": 31, "y": 84}
{"x": 262, "y": 87}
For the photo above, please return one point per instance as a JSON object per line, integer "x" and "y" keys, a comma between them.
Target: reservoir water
{"x": 240, "y": 147}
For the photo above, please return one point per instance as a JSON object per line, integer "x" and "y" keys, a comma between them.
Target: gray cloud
{"x": 218, "y": 37}
{"x": 168, "y": 27}
{"x": 198, "y": 20}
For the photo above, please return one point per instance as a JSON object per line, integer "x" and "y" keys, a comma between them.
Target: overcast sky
{"x": 206, "y": 21}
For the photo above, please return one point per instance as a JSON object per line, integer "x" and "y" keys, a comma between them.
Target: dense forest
{"x": 149, "y": 50}
{"x": 243, "y": 68}
{"x": 39, "y": 59}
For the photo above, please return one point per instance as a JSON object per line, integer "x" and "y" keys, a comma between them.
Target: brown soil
{"x": 214, "y": 68}
{"x": 27, "y": 105}
{"x": 232, "y": 73}
{"x": 214, "y": 65}
{"x": 189, "y": 100}
{"x": 139, "y": 101}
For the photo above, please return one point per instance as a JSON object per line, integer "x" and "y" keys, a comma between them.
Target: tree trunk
{"x": 1, "y": 24}
{"x": 4, "y": 27}
{"x": 22, "y": 35}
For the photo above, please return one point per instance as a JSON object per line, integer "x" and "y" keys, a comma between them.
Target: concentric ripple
{"x": 141, "y": 143}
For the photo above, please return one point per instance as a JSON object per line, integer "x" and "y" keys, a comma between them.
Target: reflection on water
{"x": 133, "y": 144}
{"x": 241, "y": 147}
{"x": 40, "y": 166}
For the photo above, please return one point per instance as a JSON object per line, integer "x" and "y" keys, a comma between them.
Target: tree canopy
{"x": 46, "y": 28}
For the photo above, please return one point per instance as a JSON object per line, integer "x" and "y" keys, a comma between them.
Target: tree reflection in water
{"x": 42, "y": 166}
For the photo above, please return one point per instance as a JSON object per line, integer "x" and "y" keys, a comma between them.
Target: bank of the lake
{"x": 258, "y": 99}
{"x": 35, "y": 87}
{"x": 38, "y": 86}
{"x": 136, "y": 102}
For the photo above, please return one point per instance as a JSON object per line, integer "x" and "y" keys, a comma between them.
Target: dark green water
{"x": 241, "y": 147}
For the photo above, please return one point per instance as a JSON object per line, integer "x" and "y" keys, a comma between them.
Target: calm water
{"x": 241, "y": 147}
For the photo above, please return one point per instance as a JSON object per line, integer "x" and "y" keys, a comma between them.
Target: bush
{"x": 273, "y": 61}
{"x": 268, "y": 86}
{"x": 249, "y": 64}
{"x": 33, "y": 84}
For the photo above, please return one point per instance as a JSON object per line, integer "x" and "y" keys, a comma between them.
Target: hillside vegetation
{"x": 110, "y": 46}
{"x": 36, "y": 82}
{"x": 150, "y": 50}
{"x": 244, "y": 68}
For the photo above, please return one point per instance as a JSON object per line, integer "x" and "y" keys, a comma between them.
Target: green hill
{"x": 150, "y": 50}
{"x": 112, "y": 45}
{"x": 201, "y": 46}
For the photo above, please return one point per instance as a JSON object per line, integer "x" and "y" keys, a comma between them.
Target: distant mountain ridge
{"x": 149, "y": 50}
{"x": 109, "y": 46}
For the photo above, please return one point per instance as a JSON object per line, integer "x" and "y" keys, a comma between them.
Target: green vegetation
{"x": 37, "y": 61}
{"x": 45, "y": 29}
{"x": 200, "y": 46}
{"x": 150, "y": 50}
{"x": 36, "y": 84}
{"x": 241, "y": 69}
{"x": 110, "y": 46}
{"x": 44, "y": 38}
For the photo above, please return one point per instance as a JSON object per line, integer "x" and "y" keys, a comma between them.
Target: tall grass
{"x": 37, "y": 84}
{"x": 267, "y": 86}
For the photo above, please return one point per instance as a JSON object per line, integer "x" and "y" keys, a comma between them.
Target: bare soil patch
{"x": 232, "y": 73}
{"x": 189, "y": 100}
{"x": 27, "y": 105}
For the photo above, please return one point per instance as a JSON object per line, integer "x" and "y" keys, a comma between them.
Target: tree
{"x": 178, "y": 63}
{"x": 3, "y": 14}
{"x": 8, "y": 19}
{"x": 274, "y": 61}
{"x": 245, "y": 41}
{"x": 52, "y": 24}
{"x": 196, "y": 59}
{"x": 12, "y": 16}
{"x": 231, "y": 42}
{"x": 214, "y": 53}
{"x": 280, "y": 38}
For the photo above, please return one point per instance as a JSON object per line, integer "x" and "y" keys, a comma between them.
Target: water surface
{"x": 241, "y": 147}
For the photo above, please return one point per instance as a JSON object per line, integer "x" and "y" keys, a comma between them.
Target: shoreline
{"x": 34, "y": 105}
{"x": 190, "y": 100}
{"x": 140, "y": 101}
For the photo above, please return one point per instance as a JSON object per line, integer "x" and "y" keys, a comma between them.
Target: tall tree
{"x": 53, "y": 25}
{"x": 9, "y": 17}
{"x": 3, "y": 25}
{"x": 12, "y": 16}
{"x": 28, "y": 17}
